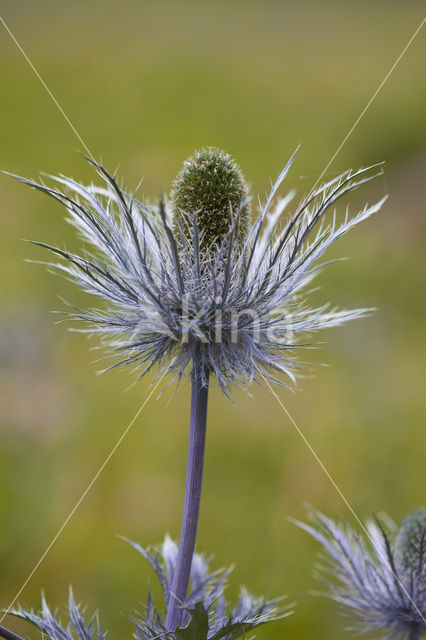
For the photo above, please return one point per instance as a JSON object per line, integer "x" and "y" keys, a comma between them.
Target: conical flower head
{"x": 410, "y": 542}
{"x": 211, "y": 189}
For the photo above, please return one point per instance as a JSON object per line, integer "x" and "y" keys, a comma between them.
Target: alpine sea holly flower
{"x": 192, "y": 282}
{"x": 192, "y": 287}
{"x": 380, "y": 582}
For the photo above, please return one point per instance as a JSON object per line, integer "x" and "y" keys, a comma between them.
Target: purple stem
{"x": 191, "y": 509}
{"x": 415, "y": 633}
{"x": 8, "y": 635}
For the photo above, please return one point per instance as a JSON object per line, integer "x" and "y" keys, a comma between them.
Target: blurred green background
{"x": 145, "y": 83}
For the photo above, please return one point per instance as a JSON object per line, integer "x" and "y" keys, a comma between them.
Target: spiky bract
{"x": 236, "y": 309}
{"x": 205, "y": 613}
{"x": 381, "y": 582}
{"x": 211, "y": 189}
{"x": 52, "y": 627}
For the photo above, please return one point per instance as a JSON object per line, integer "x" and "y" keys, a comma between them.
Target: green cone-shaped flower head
{"x": 211, "y": 187}
{"x": 410, "y": 542}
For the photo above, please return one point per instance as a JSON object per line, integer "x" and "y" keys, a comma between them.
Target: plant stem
{"x": 8, "y": 635}
{"x": 415, "y": 633}
{"x": 191, "y": 509}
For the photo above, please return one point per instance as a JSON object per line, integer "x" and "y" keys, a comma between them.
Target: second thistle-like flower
{"x": 381, "y": 582}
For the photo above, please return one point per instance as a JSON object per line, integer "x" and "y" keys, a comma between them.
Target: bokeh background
{"x": 145, "y": 83}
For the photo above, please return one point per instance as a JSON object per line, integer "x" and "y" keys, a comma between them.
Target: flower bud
{"x": 211, "y": 188}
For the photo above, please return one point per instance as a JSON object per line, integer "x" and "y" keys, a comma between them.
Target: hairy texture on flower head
{"x": 206, "y": 615}
{"x": 238, "y": 310}
{"x": 52, "y": 627}
{"x": 380, "y": 582}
